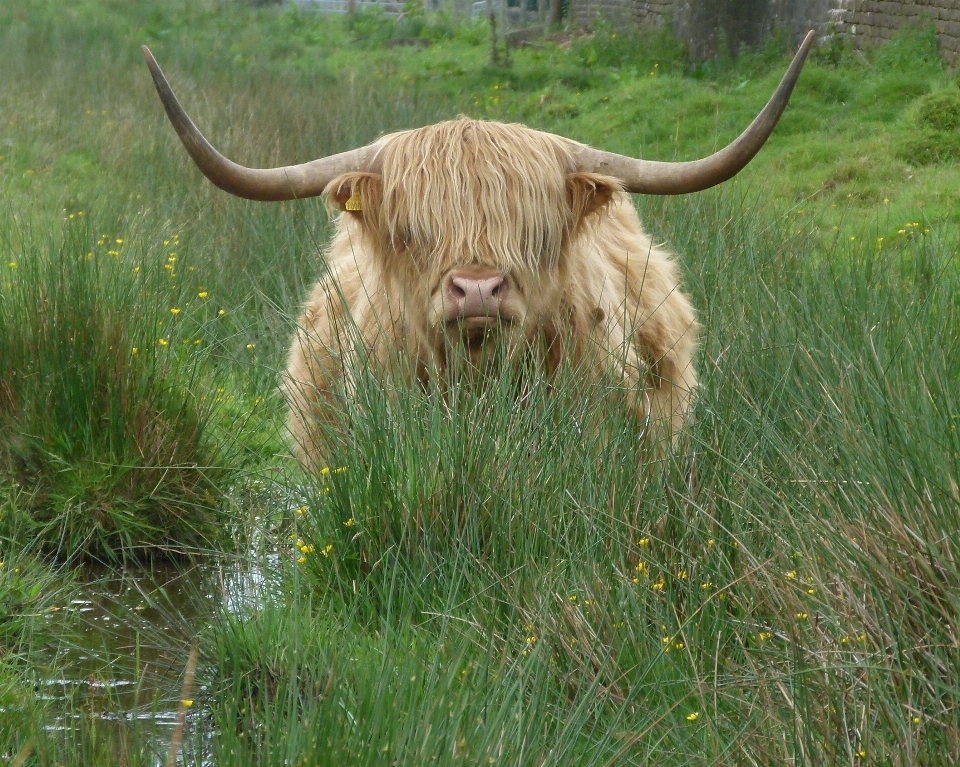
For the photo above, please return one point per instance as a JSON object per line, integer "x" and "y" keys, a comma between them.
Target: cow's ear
{"x": 355, "y": 193}
{"x": 589, "y": 193}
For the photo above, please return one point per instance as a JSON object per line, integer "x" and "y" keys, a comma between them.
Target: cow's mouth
{"x": 475, "y": 332}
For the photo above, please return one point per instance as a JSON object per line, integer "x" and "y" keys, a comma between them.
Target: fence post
{"x": 556, "y": 13}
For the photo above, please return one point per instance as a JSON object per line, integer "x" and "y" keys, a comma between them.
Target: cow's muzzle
{"x": 474, "y": 297}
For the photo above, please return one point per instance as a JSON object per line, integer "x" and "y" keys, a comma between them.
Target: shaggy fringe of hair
{"x": 514, "y": 178}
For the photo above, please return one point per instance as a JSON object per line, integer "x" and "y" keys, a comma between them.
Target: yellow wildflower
{"x": 693, "y": 717}
{"x": 175, "y": 311}
{"x": 162, "y": 342}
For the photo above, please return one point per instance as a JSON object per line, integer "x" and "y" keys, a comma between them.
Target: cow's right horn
{"x": 649, "y": 177}
{"x": 287, "y": 183}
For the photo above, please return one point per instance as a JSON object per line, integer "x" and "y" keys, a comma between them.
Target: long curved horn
{"x": 650, "y": 177}
{"x": 288, "y": 183}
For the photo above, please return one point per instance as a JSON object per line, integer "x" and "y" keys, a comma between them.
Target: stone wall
{"x": 706, "y": 25}
{"x": 871, "y": 22}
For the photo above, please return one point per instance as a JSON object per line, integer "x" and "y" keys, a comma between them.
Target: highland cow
{"x": 465, "y": 236}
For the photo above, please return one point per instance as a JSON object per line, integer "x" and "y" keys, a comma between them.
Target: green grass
{"x": 486, "y": 579}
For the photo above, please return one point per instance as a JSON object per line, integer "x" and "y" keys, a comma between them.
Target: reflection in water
{"x": 124, "y": 644}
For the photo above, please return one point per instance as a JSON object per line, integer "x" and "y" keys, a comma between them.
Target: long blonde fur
{"x": 467, "y": 193}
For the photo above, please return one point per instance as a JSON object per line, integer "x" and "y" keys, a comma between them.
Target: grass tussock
{"x": 108, "y": 445}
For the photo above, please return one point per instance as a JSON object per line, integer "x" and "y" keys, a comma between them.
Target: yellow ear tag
{"x": 354, "y": 202}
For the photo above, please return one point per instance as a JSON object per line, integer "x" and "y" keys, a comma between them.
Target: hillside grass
{"x": 480, "y": 579}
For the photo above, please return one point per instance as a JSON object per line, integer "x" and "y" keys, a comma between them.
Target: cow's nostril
{"x": 456, "y": 291}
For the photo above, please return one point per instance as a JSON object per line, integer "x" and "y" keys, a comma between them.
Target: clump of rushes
{"x": 802, "y": 531}
{"x": 98, "y": 423}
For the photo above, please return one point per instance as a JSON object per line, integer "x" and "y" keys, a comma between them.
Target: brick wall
{"x": 703, "y": 25}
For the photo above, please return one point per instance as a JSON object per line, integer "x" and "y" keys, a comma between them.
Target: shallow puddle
{"x": 124, "y": 641}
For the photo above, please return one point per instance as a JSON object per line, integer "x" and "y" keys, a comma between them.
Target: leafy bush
{"x": 915, "y": 49}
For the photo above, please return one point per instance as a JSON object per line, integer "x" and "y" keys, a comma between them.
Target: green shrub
{"x": 912, "y": 49}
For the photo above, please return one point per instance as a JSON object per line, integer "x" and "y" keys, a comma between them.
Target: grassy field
{"x": 475, "y": 582}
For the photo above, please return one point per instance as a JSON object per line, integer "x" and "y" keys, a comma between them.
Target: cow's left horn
{"x": 649, "y": 177}
{"x": 287, "y": 183}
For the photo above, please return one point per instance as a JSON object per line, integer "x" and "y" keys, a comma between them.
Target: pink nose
{"x": 474, "y": 294}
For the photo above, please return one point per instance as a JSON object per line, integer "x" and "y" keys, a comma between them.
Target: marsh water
{"x": 124, "y": 641}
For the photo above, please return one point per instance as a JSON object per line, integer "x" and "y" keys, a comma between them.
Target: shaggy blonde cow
{"x": 465, "y": 235}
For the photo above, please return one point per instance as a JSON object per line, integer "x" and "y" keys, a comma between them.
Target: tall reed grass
{"x": 781, "y": 590}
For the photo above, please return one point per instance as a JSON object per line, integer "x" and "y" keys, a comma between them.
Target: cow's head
{"x": 468, "y": 223}
{"x": 471, "y": 219}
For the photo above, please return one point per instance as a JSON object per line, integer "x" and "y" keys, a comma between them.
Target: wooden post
{"x": 494, "y": 53}
{"x": 556, "y": 13}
